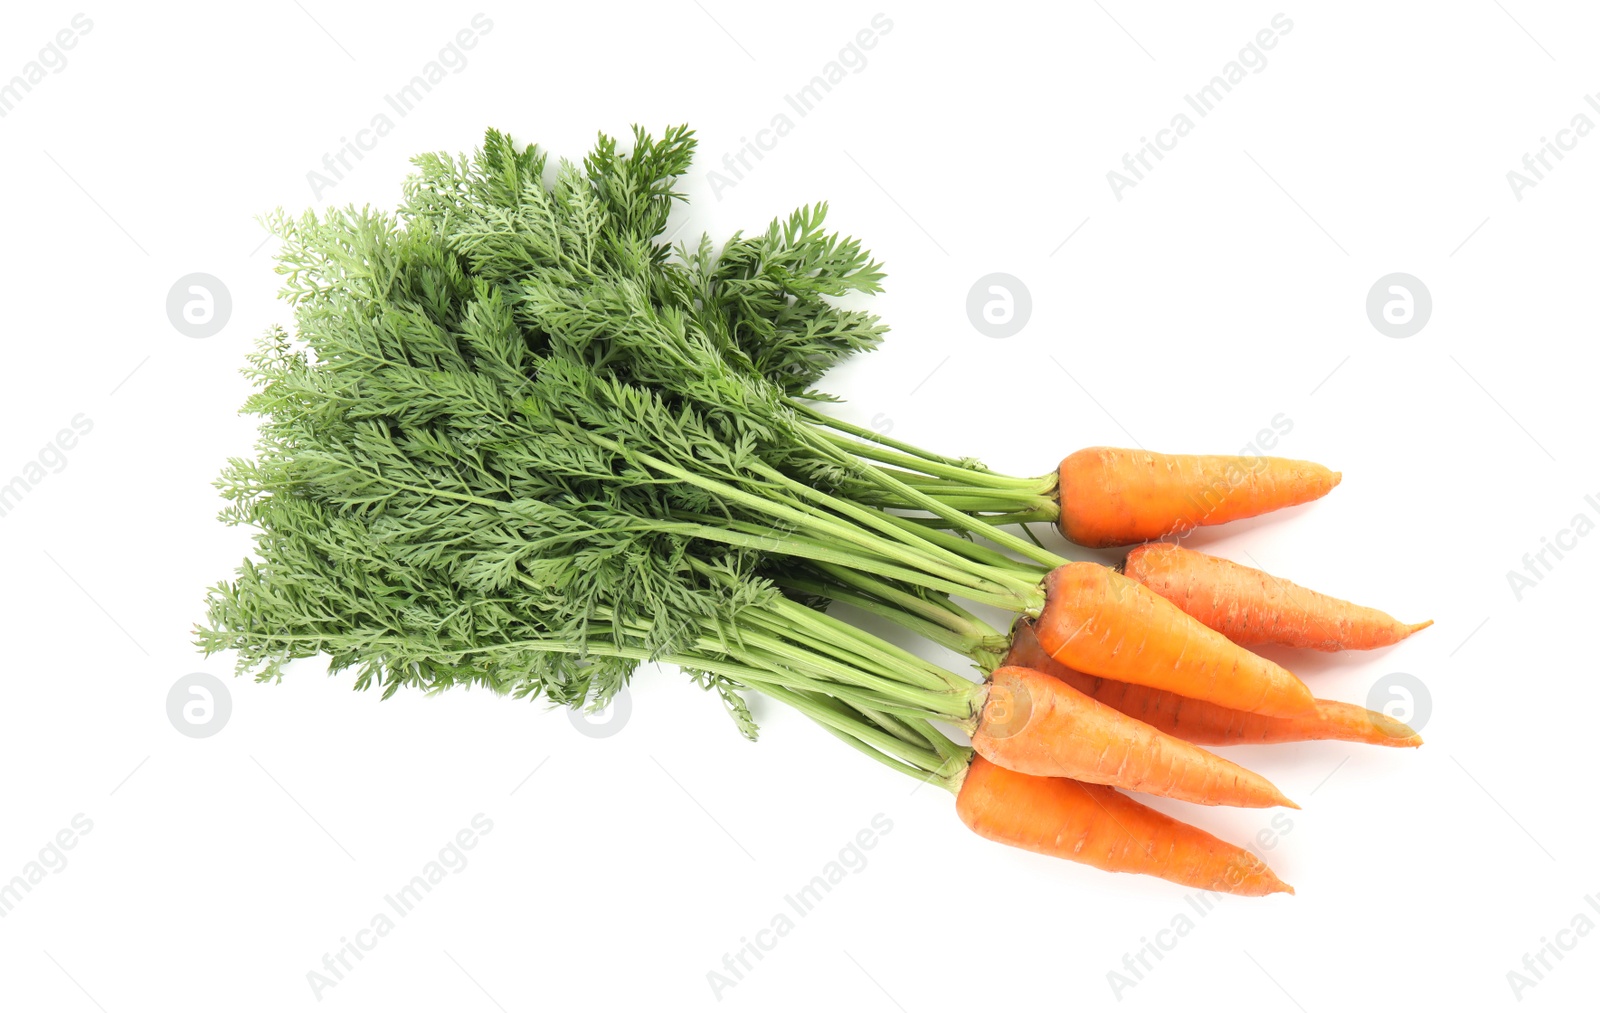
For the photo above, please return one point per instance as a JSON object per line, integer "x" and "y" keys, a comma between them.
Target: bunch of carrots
{"x": 1129, "y": 670}
{"x": 520, "y": 442}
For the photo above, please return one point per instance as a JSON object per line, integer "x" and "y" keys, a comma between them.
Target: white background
{"x": 1226, "y": 288}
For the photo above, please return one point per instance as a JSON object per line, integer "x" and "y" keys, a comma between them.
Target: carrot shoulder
{"x": 1100, "y": 622}
{"x": 1098, "y": 826}
{"x": 1111, "y": 496}
{"x": 1035, "y": 724}
{"x": 1206, "y": 724}
{"x": 1251, "y": 607}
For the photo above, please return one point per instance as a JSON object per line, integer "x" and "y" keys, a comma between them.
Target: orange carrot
{"x": 1035, "y": 724}
{"x": 1206, "y": 724}
{"x": 1101, "y": 623}
{"x": 1250, "y": 607}
{"x": 1118, "y": 497}
{"x": 1098, "y": 826}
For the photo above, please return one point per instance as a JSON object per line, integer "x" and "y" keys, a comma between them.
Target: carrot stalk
{"x": 1100, "y": 622}
{"x": 1206, "y": 724}
{"x": 1251, "y": 607}
{"x": 1098, "y": 826}
{"x": 1111, "y": 496}
{"x": 1035, "y": 724}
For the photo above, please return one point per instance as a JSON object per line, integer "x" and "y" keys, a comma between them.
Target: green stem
{"x": 835, "y": 716}
{"x": 870, "y": 435}
{"x": 823, "y": 553}
{"x": 877, "y": 520}
{"x": 968, "y": 501}
{"x": 891, "y": 724}
{"x": 827, "y": 526}
{"x": 941, "y": 610}
{"x": 938, "y": 608}
{"x": 1013, "y": 518}
{"x": 870, "y": 445}
{"x": 868, "y": 646}
{"x": 952, "y": 705}
{"x": 981, "y": 554}
{"x": 862, "y": 747}
{"x": 941, "y": 635}
{"x": 958, "y": 519}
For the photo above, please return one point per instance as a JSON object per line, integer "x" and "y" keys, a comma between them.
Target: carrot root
{"x": 1100, "y": 622}
{"x": 1035, "y": 724}
{"x": 1111, "y": 496}
{"x": 1100, "y": 827}
{"x": 1206, "y": 724}
{"x": 1251, "y": 607}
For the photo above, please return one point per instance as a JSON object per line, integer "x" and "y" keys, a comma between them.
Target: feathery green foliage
{"x": 518, "y": 442}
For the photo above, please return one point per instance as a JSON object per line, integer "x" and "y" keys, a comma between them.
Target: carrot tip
{"x": 1269, "y": 883}
{"x": 1392, "y": 733}
{"x": 1414, "y": 627}
{"x": 1338, "y": 477}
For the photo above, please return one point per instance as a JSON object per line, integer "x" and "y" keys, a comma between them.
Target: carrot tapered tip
{"x": 1277, "y": 796}
{"x": 1387, "y": 731}
{"x": 1263, "y": 882}
{"x": 1338, "y": 477}
{"x": 1408, "y": 740}
{"x": 1414, "y": 627}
